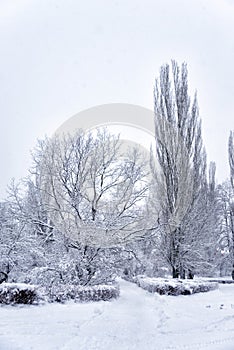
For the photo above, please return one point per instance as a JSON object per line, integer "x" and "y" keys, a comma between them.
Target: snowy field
{"x": 137, "y": 320}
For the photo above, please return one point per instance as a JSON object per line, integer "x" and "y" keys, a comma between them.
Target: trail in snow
{"x": 129, "y": 323}
{"x": 136, "y": 321}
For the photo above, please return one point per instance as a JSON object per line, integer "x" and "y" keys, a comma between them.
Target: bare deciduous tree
{"x": 93, "y": 193}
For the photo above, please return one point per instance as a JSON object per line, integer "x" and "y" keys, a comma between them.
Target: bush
{"x": 22, "y": 293}
{"x": 62, "y": 293}
{"x": 174, "y": 286}
{"x": 18, "y": 293}
{"x": 222, "y": 281}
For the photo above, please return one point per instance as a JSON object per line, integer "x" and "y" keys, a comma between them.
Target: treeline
{"x": 90, "y": 210}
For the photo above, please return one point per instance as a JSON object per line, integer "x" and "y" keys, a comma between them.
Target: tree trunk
{"x": 182, "y": 272}
{"x": 190, "y": 275}
{"x": 3, "y": 277}
{"x": 175, "y": 272}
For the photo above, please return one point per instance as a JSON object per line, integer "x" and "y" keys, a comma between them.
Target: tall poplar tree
{"x": 181, "y": 182}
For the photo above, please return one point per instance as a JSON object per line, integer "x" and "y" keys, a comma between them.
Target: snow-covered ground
{"x": 137, "y": 320}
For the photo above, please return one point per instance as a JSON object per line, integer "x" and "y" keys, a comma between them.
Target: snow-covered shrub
{"x": 62, "y": 293}
{"x": 174, "y": 286}
{"x": 96, "y": 293}
{"x": 70, "y": 269}
{"x": 18, "y": 293}
{"x": 44, "y": 276}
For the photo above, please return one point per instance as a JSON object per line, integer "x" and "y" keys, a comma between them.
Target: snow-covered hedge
{"x": 18, "y": 293}
{"x": 61, "y": 293}
{"x": 22, "y": 293}
{"x": 222, "y": 281}
{"x": 174, "y": 286}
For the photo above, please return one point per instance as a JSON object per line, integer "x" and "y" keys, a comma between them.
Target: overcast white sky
{"x": 59, "y": 57}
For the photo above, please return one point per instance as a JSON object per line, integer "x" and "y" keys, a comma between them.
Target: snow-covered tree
{"x": 92, "y": 192}
{"x": 231, "y": 156}
{"x": 85, "y": 199}
{"x": 181, "y": 184}
{"x": 19, "y": 249}
{"x": 229, "y": 203}
{"x": 226, "y": 227}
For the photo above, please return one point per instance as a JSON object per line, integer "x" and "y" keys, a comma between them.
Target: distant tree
{"x": 231, "y": 156}
{"x": 231, "y": 199}
{"x": 220, "y": 251}
{"x": 19, "y": 250}
{"x": 226, "y": 227}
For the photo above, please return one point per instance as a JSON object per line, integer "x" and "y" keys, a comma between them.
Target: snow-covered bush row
{"x": 22, "y": 293}
{"x": 62, "y": 293}
{"x": 223, "y": 281}
{"x": 174, "y": 286}
{"x": 18, "y": 293}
